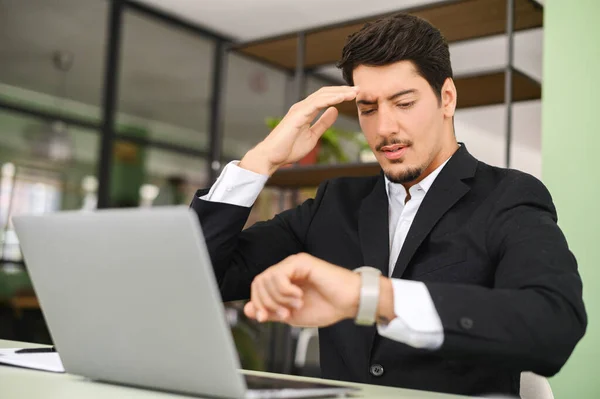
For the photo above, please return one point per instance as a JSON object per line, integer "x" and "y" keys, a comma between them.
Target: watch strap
{"x": 369, "y": 295}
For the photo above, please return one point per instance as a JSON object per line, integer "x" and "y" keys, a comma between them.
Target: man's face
{"x": 406, "y": 126}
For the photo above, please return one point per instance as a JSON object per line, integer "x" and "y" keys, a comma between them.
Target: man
{"x": 477, "y": 282}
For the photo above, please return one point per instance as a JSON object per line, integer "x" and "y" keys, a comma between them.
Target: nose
{"x": 386, "y": 123}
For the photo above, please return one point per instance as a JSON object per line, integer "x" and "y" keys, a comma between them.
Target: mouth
{"x": 395, "y": 151}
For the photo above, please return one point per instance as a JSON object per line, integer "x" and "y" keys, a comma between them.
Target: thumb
{"x": 298, "y": 267}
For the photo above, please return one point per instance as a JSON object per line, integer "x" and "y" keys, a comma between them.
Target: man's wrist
{"x": 385, "y": 304}
{"x": 256, "y": 161}
{"x": 385, "y": 308}
{"x": 355, "y": 299}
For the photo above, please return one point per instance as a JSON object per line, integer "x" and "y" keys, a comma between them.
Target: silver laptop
{"x": 130, "y": 297}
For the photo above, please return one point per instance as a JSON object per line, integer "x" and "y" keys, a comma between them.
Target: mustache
{"x": 393, "y": 141}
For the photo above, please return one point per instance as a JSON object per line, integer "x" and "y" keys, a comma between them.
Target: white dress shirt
{"x": 417, "y": 322}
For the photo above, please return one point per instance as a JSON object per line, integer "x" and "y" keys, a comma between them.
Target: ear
{"x": 449, "y": 97}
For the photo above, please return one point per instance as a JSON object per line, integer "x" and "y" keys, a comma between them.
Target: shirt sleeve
{"x": 417, "y": 321}
{"x": 236, "y": 186}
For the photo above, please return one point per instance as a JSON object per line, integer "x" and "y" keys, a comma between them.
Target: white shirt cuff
{"x": 236, "y": 186}
{"x": 417, "y": 322}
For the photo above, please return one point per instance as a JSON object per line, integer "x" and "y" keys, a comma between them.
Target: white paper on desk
{"x": 47, "y": 361}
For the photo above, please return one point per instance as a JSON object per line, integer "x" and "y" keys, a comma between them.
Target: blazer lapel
{"x": 373, "y": 228}
{"x": 447, "y": 189}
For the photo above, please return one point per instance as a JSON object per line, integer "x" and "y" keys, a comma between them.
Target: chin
{"x": 402, "y": 174}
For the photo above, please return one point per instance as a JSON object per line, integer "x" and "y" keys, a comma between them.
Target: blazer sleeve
{"x": 239, "y": 255}
{"x": 534, "y": 315}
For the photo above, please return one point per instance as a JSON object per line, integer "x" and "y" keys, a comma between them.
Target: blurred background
{"x": 140, "y": 103}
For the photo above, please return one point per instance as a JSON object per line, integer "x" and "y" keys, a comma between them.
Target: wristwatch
{"x": 369, "y": 295}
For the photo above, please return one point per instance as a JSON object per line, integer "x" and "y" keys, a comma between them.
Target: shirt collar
{"x": 424, "y": 184}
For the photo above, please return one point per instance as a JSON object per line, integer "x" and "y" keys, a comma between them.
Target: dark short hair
{"x": 401, "y": 37}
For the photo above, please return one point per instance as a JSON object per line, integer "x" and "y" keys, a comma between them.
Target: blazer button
{"x": 376, "y": 370}
{"x": 466, "y": 323}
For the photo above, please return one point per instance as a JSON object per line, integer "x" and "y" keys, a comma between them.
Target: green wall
{"x": 571, "y": 165}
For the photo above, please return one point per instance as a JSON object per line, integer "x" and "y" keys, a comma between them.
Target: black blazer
{"x": 485, "y": 242}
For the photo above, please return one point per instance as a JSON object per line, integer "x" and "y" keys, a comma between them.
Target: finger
{"x": 325, "y": 121}
{"x": 268, "y": 303}
{"x": 261, "y": 312}
{"x": 281, "y": 311}
{"x": 333, "y": 90}
{"x": 297, "y": 267}
{"x": 285, "y": 296}
{"x": 287, "y": 288}
{"x": 290, "y": 294}
{"x": 250, "y": 310}
{"x": 311, "y": 106}
{"x": 328, "y": 99}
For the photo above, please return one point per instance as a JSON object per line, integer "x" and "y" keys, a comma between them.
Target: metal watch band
{"x": 369, "y": 295}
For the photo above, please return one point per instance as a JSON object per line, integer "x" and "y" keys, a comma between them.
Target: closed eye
{"x": 406, "y": 105}
{"x": 367, "y": 111}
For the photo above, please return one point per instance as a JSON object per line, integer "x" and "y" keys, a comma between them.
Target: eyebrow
{"x": 390, "y": 98}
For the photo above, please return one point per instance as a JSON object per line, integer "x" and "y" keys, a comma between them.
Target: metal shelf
{"x": 312, "y": 176}
{"x": 458, "y": 20}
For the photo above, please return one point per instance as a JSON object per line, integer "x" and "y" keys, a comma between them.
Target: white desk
{"x": 22, "y": 383}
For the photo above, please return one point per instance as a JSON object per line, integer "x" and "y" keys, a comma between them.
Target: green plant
{"x": 331, "y": 149}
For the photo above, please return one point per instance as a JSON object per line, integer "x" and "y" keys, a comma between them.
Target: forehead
{"x": 375, "y": 81}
